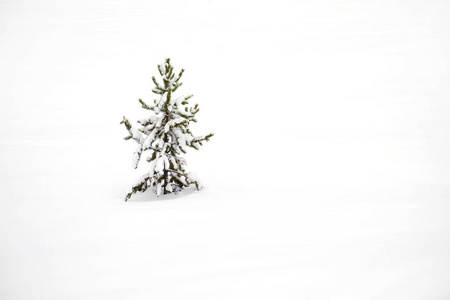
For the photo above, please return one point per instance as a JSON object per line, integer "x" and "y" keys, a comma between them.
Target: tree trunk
{"x": 165, "y": 182}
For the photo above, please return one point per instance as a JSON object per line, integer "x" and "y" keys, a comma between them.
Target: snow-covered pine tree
{"x": 165, "y": 135}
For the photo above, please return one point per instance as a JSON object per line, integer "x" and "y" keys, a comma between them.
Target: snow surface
{"x": 327, "y": 178}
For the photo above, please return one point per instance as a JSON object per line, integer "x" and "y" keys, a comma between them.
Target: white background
{"x": 327, "y": 178}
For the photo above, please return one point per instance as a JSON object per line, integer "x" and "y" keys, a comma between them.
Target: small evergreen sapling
{"x": 165, "y": 135}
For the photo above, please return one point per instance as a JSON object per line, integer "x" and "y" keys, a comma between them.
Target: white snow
{"x": 140, "y": 179}
{"x": 136, "y": 134}
{"x": 158, "y": 189}
{"x": 149, "y": 139}
{"x": 194, "y": 177}
{"x": 353, "y": 204}
{"x": 166, "y": 162}
{"x": 159, "y": 165}
{"x": 136, "y": 158}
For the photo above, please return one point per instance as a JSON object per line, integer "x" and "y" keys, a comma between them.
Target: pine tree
{"x": 165, "y": 135}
